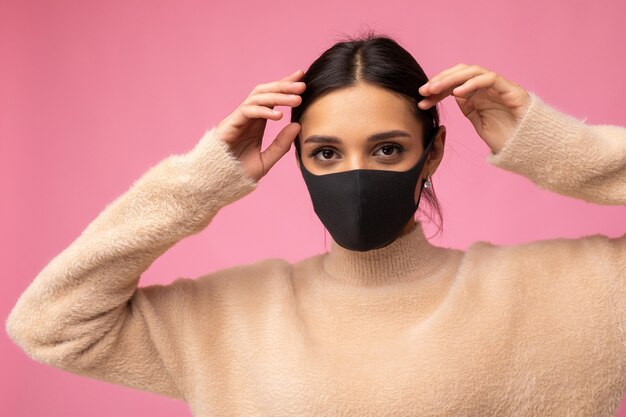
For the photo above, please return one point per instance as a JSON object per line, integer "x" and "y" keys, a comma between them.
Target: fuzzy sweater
{"x": 411, "y": 329}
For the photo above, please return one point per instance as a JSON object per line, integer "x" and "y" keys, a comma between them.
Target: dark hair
{"x": 378, "y": 60}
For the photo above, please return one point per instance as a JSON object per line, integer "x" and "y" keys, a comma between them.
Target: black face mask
{"x": 366, "y": 209}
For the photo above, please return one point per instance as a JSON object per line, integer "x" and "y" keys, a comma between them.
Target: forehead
{"x": 360, "y": 109}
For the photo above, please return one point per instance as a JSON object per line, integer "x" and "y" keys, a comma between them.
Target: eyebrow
{"x": 372, "y": 138}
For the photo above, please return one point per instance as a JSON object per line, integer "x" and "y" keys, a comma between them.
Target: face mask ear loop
{"x": 426, "y": 151}
{"x": 419, "y": 197}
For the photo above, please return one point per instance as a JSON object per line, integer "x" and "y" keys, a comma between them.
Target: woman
{"x": 385, "y": 323}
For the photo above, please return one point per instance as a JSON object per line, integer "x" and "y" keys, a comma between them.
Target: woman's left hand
{"x": 492, "y": 103}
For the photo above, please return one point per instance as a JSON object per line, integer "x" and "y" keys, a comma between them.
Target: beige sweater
{"x": 412, "y": 329}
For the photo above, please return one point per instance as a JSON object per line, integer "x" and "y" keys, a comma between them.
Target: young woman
{"x": 385, "y": 323}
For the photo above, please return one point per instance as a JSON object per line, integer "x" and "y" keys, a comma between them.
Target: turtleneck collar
{"x": 409, "y": 257}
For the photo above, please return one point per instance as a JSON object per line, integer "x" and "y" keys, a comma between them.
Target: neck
{"x": 407, "y": 258}
{"x": 410, "y": 226}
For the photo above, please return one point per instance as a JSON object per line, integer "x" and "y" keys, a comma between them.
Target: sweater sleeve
{"x": 84, "y": 313}
{"x": 563, "y": 154}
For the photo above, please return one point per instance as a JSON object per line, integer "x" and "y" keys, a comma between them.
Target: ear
{"x": 436, "y": 151}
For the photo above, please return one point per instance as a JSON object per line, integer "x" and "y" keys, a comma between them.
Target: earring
{"x": 428, "y": 183}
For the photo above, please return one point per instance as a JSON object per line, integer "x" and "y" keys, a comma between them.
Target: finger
{"x": 448, "y": 84}
{"x": 424, "y": 88}
{"x": 487, "y": 80}
{"x": 455, "y": 79}
{"x": 279, "y": 146}
{"x": 288, "y": 84}
{"x": 287, "y": 87}
{"x": 427, "y": 103}
{"x": 465, "y": 90}
{"x": 247, "y": 112}
{"x": 262, "y": 106}
{"x": 251, "y": 111}
{"x": 433, "y": 99}
{"x": 274, "y": 99}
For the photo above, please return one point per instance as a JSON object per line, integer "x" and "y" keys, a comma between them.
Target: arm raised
{"x": 84, "y": 313}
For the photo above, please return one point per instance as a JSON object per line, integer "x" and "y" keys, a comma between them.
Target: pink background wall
{"x": 95, "y": 93}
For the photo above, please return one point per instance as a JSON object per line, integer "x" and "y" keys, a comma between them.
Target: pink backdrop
{"x": 95, "y": 93}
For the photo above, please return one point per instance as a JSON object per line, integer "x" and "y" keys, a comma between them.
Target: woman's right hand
{"x": 243, "y": 129}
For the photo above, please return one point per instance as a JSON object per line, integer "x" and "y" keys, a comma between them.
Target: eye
{"x": 388, "y": 149}
{"x": 324, "y": 151}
